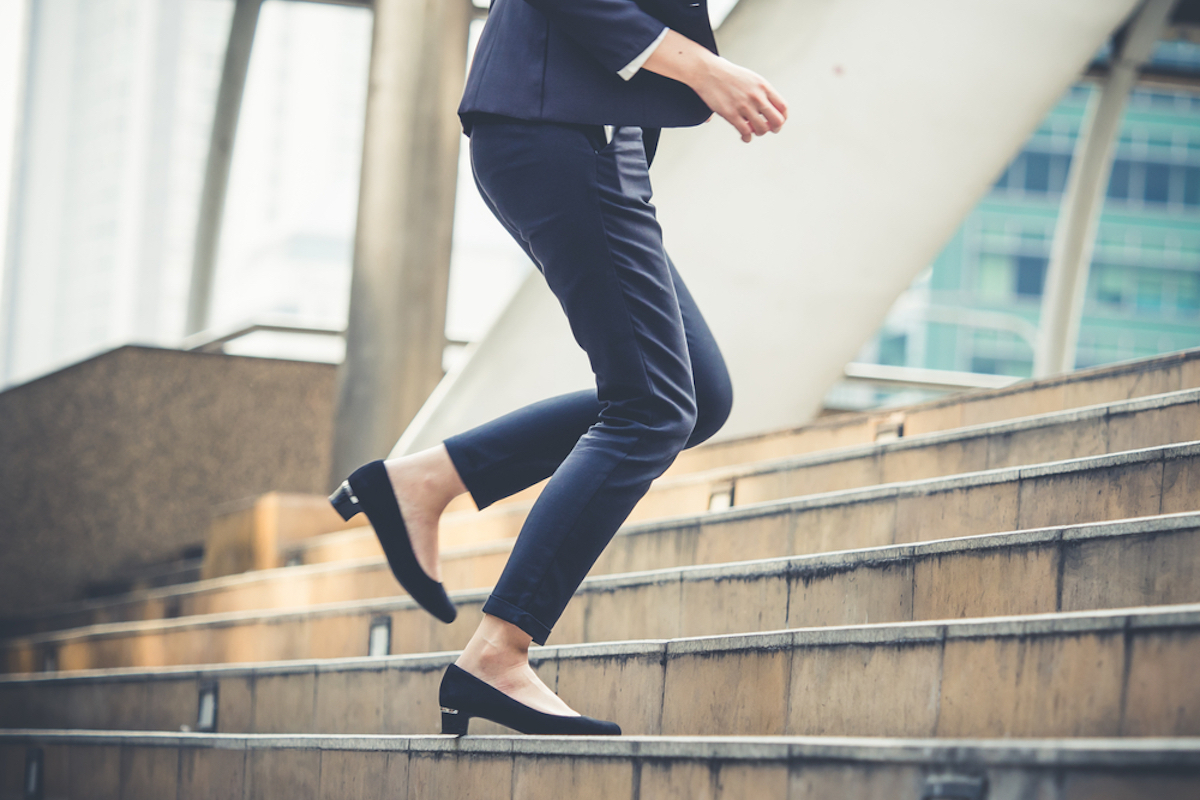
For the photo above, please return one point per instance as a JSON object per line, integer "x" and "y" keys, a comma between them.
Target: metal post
{"x": 396, "y": 330}
{"x": 1083, "y": 200}
{"x": 220, "y": 157}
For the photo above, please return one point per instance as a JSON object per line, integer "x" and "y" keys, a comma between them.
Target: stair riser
{"x": 1121, "y": 431}
{"x": 1094, "y": 436}
{"x": 876, "y": 519}
{"x": 286, "y": 591}
{"x": 952, "y": 459}
{"x": 1026, "y": 578}
{"x": 1075, "y": 680}
{"x": 1113, "y": 433}
{"x": 1131, "y": 485}
{"x": 1115, "y": 492}
{"x": 1168, "y": 375}
{"x": 150, "y": 772}
{"x": 1089, "y": 437}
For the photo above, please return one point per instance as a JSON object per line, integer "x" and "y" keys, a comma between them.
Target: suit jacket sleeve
{"x": 614, "y": 31}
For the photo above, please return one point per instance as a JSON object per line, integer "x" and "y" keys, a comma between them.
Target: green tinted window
{"x": 994, "y": 279}
{"x": 1110, "y": 285}
{"x": 1149, "y": 290}
{"x": 1187, "y": 294}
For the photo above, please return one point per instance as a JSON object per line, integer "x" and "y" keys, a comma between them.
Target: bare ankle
{"x": 496, "y": 647}
{"x": 430, "y": 474}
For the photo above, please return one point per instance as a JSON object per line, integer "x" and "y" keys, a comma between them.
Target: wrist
{"x": 682, "y": 59}
{"x": 702, "y": 67}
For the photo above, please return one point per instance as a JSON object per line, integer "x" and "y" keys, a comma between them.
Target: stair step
{"x": 1101, "y": 429}
{"x": 1100, "y": 385}
{"x": 1126, "y": 672}
{"x": 899, "y": 637}
{"x": 1109, "y": 383}
{"x": 1151, "y": 421}
{"x": 1137, "y": 483}
{"x": 1121, "y": 485}
{"x": 1143, "y": 562}
{"x": 173, "y": 572}
{"x": 1117, "y": 427}
{"x": 1076, "y": 433}
{"x": 284, "y": 588}
{"x": 1153, "y": 481}
{"x": 153, "y": 766}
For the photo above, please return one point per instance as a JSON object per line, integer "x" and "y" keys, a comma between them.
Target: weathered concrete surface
{"x": 137, "y": 766}
{"x": 1108, "y": 565}
{"x": 1106, "y": 384}
{"x": 1098, "y": 673}
{"x": 255, "y": 533}
{"x": 120, "y": 461}
{"x": 1075, "y": 433}
{"x": 277, "y": 528}
{"x": 1024, "y": 572}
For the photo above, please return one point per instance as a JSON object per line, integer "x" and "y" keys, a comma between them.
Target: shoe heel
{"x": 454, "y": 723}
{"x": 344, "y": 501}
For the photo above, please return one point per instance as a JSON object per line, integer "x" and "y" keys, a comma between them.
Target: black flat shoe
{"x": 368, "y": 489}
{"x": 463, "y": 696}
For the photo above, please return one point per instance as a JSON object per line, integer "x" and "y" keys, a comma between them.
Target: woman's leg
{"x": 515, "y": 451}
{"x": 585, "y": 216}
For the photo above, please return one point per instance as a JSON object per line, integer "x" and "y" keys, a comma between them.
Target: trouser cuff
{"x": 522, "y": 619}
{"x": 466, "y": 474}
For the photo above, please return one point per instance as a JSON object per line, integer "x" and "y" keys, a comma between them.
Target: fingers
{"x": 765, "y": 111}
{"x": 771, "y": 109}
{"x": 777, "y": 102}
{"x": 744, "y": 99}
{"x": 774, "y": 118}
{"x": 750, "y": 123}
{"x": 758, "y": 121}
{"x": 743, "y": 126}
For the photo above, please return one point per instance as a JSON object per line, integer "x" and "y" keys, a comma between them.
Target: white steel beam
{"x": 1083, "y": 200}
{"x": 220, "y": 157}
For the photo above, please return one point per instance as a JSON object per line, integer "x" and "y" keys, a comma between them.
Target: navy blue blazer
{"x": 557, "y": 60}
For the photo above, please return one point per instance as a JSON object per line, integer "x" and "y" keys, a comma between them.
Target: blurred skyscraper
{"x": 109, "y": 152}
{"x": 110, "y": 157}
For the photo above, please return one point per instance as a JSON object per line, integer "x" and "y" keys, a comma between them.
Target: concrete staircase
{"x": 990, "y": 596}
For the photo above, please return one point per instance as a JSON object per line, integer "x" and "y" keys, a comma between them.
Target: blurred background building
{"x": 113, "y": 105}
{"x": 111, "y": 146}
{"x": 977, "y": 307}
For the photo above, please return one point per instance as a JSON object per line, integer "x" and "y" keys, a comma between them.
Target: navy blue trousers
{"x": 580, "y": 207}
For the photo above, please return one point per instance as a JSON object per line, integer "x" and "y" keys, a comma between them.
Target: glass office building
{"x": 975, "y": 308}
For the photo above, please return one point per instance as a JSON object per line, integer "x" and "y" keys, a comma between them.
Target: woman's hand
{"x": 740, "y": 96}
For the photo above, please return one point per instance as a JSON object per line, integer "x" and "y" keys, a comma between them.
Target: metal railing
{"x": 214, "y": 340}
{"x": 917, "y": 378}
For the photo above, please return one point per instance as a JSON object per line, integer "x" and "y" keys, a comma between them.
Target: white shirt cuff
{"x": 632, "y": 67}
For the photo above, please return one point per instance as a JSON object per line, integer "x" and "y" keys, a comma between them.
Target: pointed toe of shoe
{"x": 606, "y": 728}
{"x": 442, "y": 608}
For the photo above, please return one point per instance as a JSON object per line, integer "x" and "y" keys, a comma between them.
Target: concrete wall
{"x": 121, "y": 461}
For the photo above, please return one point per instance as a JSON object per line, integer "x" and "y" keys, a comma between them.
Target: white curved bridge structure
{"x": 901, "y": 117}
